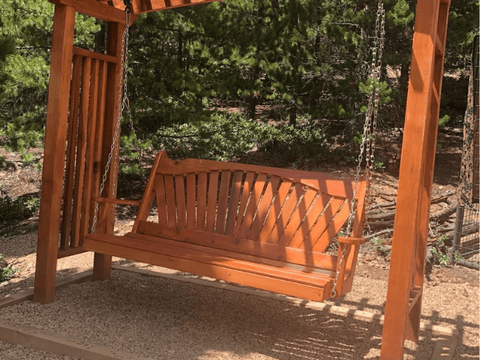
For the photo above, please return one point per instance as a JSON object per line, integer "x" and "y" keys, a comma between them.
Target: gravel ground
{"x": 166, "y": 319}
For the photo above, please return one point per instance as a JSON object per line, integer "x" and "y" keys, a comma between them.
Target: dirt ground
{"x": 161, "y": 318}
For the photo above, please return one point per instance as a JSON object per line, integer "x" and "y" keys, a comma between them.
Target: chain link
{"x": 367, "y": 145}
{"x": 114, "y": 148}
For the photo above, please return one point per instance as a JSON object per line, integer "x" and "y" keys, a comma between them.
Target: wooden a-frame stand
{"x": 74, "y": 161}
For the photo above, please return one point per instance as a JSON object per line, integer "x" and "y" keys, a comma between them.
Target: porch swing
{"x": 263, "y": 227}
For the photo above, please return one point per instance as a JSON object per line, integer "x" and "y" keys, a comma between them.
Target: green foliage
{"x": 6, "y": 272}
{"x": 18, "y": 209}
{"x": 439, "y": 251}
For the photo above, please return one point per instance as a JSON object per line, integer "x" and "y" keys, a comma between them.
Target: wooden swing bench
{"x": 263, "y": 227}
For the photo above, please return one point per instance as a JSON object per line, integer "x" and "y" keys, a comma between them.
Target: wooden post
{"x": 54, "y": 157}
{"x": 407, "y": 266}
{"x": 103, "y": 263}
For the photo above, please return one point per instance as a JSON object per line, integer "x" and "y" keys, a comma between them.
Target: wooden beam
{"x": 144, "y": 6}
{"x": 407, "y": 264}
{"x": 96, "y": 9}
{"x": 54, "y": 155}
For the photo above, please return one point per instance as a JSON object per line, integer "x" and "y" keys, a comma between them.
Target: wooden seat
{"x": 263, "y": 227}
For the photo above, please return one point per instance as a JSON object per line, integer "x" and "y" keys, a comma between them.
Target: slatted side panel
{"x": 251, "y": 206}
{"x": 83, "y": 151}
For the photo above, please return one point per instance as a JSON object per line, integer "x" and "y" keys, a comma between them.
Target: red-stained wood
{"x": 234, "y": 202}
{"x": 180, "y": 201}
{"x": 212, "y": 200}
{"x": 276, "y": 209}
{"x": 81, "y": 154}
{"x": 260, "y": 276}
{"x": 246, "y": 190}
{"x": 90, "y": 150}
{"x": 71, "y": 152}
{"x": 191, "y": 201}
{"x": 97, "y": 146}
{"x": 170, "y": 197}
{"x": 297, "y": 216}
{"x": 115, "y": 31}
{"x": 96, "y": 9}
{"x": 144, "y": 6}
{"x": 251, "y": 210}
{"x": 54, "y": 154}
{"x": 202, "y": 200}
{"x": 223, "y": 202}
{"x": 415, "y": 179}
{"x": 242, "y": 246}
{"x": 264, "y": 207}
{"x": 286, "y": 212}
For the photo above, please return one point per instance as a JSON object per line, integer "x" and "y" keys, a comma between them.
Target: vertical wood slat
{"x": 161, "y": 200}
{"x": 100, "y": 115}
{"x": 298, "y": 215}
{"x": 202, "y": 200}
{"x": 212, "y": 200}
{"x": 234, "y": 202}
{"x": 287, "y": 211}
{"x": 277, "y": 205}
{"x": 246, "y": 189}
{"x": 312, "y": 218}
{"x": 263, "y": 208}
{"x": 223, "y": 202}
{"x": 170, "y": 197}
{"x": 54, "y": 154}
{"x": 191, "y": 199}
{"x": 81, "y": 153}
{"x": 180, "y": 200}
{"x": 252, "y": 206}
{"x": 76, "y": 84}
{"x": 90, "y": 153}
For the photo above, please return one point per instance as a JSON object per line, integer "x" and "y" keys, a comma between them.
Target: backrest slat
{"x": 303, "y": 231}
{"x": 253, "y": 202}
{"x": 287, "y": 211}
{"x": 298, "y": 216}
{"x": 201, "y": 200}
{"x": 180, "y": 200}
{"x": 212, "y": 200}
{"x": 170, "y": 196}
{"x": 264, "y": 207}
{"x": 332, "y": 229}
{"x": 161, "y": 201}
{"x": 275, "y": 210}
{"x": 191, "y": 199}
{"x": 223, "y": 202}
{"x": 234, "y": 202}
{"x": 246, "y": 189}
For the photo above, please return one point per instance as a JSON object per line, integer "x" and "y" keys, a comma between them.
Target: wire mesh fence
{"x": 466, "y": 240}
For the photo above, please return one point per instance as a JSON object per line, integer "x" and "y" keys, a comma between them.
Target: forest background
{"x": 286, "y": 78}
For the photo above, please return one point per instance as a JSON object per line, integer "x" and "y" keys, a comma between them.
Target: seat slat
{"x": 258, "y": 250}
{"x": 261, "y": 279}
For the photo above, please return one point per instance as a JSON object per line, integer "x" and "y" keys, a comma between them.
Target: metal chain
{"x": 367, "y": 145}
{"x": 114, "y": 148}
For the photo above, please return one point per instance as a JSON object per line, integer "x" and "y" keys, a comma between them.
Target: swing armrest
{"x": 118, "y": 201}
{"x": 351, "y": 240}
